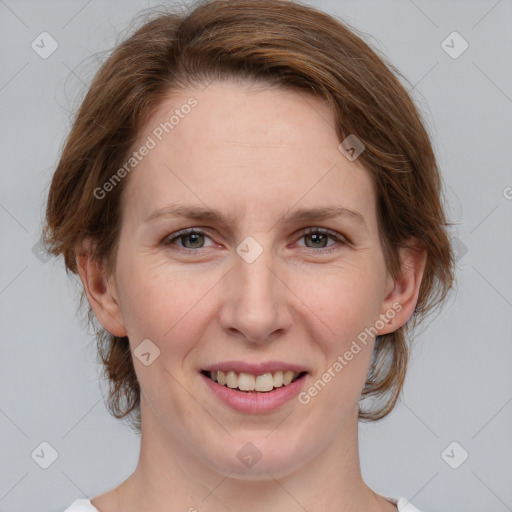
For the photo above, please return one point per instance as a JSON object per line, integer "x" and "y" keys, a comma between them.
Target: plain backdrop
{"x": 457, "y": 400}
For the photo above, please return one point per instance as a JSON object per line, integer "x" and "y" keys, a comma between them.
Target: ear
{"x": 401, "y": 295}
{"x": 100, "y": 289}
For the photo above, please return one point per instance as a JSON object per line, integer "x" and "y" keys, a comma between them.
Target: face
{"x": 259, "y": 284}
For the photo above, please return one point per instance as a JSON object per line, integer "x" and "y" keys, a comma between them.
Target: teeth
{"x": 231, "y": 380}
{"x": 264, "y": 382}
{"x": 278, "y": 379}
{"x": 249, "y": 382}
{"x": 287, "y": 377}
{"x": 246, "y": 382}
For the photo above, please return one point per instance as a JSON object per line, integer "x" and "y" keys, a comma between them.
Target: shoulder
{"x": 404, "y": 505}
{"x": 82, "y": 505}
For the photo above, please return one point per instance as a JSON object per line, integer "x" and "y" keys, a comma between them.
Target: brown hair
{"x": 286, "y": 44}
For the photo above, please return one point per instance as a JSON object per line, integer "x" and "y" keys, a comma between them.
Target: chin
{"x": 256, "y": 456}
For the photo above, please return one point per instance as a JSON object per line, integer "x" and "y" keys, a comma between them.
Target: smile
{"x": 254, "y": 388}
{"x": 248, "y": 382}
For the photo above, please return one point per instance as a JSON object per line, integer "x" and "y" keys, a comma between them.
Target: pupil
{"x": 193, "y": 237}
{"x": 317, "y": 238}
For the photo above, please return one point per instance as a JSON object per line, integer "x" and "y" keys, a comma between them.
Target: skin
{"x": 257, "y": 153}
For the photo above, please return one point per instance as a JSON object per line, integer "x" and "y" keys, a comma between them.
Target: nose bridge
{"x": 255, "y": 302}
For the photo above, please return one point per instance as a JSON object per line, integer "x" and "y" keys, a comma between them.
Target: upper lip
{"x": 254, "y": 368}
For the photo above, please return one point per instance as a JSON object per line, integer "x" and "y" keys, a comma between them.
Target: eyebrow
{"x": 200, "y": 213}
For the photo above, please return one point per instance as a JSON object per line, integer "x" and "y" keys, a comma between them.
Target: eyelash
{"x": 168, "y": 241}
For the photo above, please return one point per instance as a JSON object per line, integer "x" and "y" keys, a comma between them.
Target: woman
{"x": 253, "y": 206}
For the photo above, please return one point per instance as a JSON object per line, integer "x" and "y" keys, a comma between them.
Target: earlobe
{"x": 403, "y": 291}
{"x": 100, "y": 290}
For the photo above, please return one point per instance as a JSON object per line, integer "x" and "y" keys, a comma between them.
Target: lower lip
{"x": 254, "y": 403}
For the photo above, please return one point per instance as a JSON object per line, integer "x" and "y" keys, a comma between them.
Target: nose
{"x": 255, "y": 300}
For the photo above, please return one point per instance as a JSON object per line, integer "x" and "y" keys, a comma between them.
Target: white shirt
{"x": 85, "y": 505}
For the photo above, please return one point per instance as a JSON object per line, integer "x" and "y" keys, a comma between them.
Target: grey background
{"x": 459, "y": 385}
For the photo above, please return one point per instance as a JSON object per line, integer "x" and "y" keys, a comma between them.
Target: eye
{"x": 191, "y": 240}
{"x": 319, "y": 237}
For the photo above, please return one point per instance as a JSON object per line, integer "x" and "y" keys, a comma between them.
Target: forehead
{"x": 255, "y": 146}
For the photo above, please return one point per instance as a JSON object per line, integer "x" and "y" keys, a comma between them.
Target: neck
{"x": 330, "y": 481}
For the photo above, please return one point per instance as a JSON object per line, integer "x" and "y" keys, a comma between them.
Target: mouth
{"x": 251, "y": 383}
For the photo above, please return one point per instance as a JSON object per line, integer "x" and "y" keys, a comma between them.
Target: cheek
{"x": 169, "y": 307}
{"x": 162, "y": 303}
{"x": 343, "y": 305}
{"x": 342, "y": 302}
